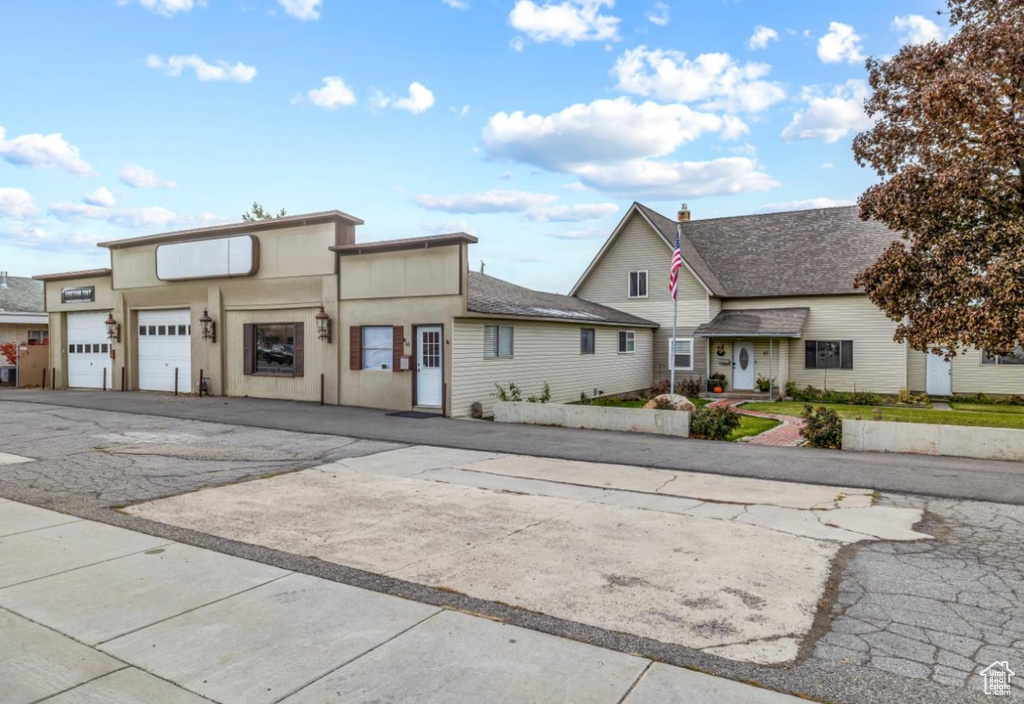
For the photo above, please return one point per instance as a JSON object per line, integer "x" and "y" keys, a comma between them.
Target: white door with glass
{"x": 429, "y": 366}
{"x": 939, "y": 376}
{"x": 743, "y": 366}
{"x": 89, "y": 364}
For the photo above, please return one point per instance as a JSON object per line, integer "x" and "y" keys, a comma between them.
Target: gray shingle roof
{"x": 776, "y": 322}
{"x": 800, "y": 253}
{"x": 22, "y": 296}
{"x": 490, "y": 295}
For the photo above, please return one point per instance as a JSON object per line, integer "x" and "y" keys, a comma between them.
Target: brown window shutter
{"x": 248, "y": 335}
{"x": 397, "y": 348}
{"x": 355, "y": 348}
{"x": 298, "y": 347}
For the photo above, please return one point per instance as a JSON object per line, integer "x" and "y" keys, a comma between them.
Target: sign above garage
{"x": 208, "y": 259}
{"x": 82, "y": 294}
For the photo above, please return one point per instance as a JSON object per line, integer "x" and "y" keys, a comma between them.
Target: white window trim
{"x": 497, "y": 341}
{"x": 672, "y": 356}
{"x": 629, "y": 333}
{"x": 363, "y": 347}
{"x": 647, "y": 283}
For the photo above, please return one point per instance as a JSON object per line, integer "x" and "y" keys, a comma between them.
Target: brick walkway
{"x": 785, "y": 435}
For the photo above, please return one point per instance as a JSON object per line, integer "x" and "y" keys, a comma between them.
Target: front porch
{"x": 748, "y": 351}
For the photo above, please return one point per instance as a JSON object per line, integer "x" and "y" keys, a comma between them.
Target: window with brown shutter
{"x": 355, "y": 348}
{"x": 298, "y": 347}
{"x": 273, "y": 349}
{"x": 248, "y": 335}
{"x": 397, "y": 348}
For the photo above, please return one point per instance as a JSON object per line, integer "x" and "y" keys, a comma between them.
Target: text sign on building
{"x": 81, "y": 294}
{"x": 206, "y": 259}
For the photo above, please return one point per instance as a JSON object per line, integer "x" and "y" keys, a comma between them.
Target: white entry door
{"x": 743, "y": 366}
{"x": 429, "y": 366}
{"x": 88, "y": 351}
{"x": 165, "y": 345}
{"x": 939, "y": 376}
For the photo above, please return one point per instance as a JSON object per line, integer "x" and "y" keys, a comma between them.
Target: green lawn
{"x": 986, "y": 418}
{"x": 750, "y": 426}
{"x": 988, "y": 408}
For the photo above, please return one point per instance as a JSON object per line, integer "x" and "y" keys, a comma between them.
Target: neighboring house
{"x": 294, "y": 308}
{"x": 772, "y": 296}
{"x": 23, "y": 318}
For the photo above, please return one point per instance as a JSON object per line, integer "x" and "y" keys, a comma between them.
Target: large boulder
{"x": 671, "y": 402}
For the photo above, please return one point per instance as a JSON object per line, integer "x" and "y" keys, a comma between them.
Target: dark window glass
{"x": 828, "y": 355}
{"x": 172, "y": 330}
{"x": 161, "y": 330}
{"x": 106, "y": 348}
{"x": 275, "y": 349}
{"x": 182, "y": 329}
{"x": 587, "y": 341}
{"x": 152, "y": 329}
{"x": 142, "y": 329}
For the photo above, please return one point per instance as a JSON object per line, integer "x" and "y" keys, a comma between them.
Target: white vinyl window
{"x": 498, "y": 340}
{"x": 627, "y": 342}
{"x": 377, "y": 347}
{"x": 1016, "y": 358}
{"x": 638, "y": 284}
{"x": 680, "y": 354}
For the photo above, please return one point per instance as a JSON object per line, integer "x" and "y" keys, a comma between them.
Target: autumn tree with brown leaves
{"x": 948, "y": 145}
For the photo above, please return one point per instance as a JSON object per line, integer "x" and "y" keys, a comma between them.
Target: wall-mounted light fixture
{"x": 113, "y": 328}
{"x": 323, "y": 325}
{"x": 209, "y": 327}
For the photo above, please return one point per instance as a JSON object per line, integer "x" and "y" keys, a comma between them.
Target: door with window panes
{"x": 429, "y": 366}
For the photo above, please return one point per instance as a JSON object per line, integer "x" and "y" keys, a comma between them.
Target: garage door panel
{"x": 165, "y": 349}
{"x": 88, "y": 351}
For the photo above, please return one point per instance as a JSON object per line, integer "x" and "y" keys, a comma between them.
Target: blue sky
{"x": 531, "y": 124}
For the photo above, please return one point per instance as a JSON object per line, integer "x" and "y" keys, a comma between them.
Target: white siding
{"x": 545, "y": 352}
{"x": 970, "y": 376}
{"x": 879, "y": 363}
{"x": 639, "y": 247}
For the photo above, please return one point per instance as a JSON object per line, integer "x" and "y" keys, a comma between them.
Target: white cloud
{"x": 334, "y": 92}
{"x": 447, "y": 226}
{"x": 574, "y": 186}
{"x": 716, "y": 80}
{"x": 761, "y": 36}
{"x": 16, "y": 203}
{"x": 167, "y": 8}
{"x": 302, "y": 9}
{"x": 830, "y": 117}
{"x": 573, "y": 213}
{"x": 495, "y": 201}
{"x": 150, "y": 217}
{"x": 659, "y": 14}
{"x": 419, "y": 101}
{"x": 828, "y": 165}
{"x": 38, "y": 151}
{"x": 809, "y": 204}
{"x": 669, "y": 180}
{"x": 587, "y": 233}
{"x": 101, "y": 197}
{"x": 140, "y": 177}
{"x": 603, "y": 131}
{"x": 457, "y": 4}
{"x": 222, "y": 71}
{"x": 915, "y": 29}
{"x": 567, "y": 22}
{"x": 840, "y": 44}
{"x": 460, "y": 112}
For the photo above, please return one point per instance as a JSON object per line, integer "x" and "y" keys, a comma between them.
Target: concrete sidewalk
{"x": 956, "y": 478}
{"x": 95, "y": 613}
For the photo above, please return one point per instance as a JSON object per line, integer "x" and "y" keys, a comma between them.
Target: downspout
{"x": 771, "y": 377}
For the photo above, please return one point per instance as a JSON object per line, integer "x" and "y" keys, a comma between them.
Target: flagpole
{"x": 672, "y": 361}
{"x": 675, "y": 308}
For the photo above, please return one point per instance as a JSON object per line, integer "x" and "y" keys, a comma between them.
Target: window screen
{"x": 377, "y": 352}
{"x": 681, "y": 354}
{"x": 498, "y": 340}
{"x": 587, "y": 341}
{"x": 627, "y": 341}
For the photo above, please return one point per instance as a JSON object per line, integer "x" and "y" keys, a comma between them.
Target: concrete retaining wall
{"x": 632, "y": 420}
{"x": 926, "y": 439}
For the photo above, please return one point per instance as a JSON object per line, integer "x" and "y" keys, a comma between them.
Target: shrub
{"x": 660, "y": 387}
{"x": 545, "y": 395}
{"x": 690, "y": 387}
{"x": 513, "y": 393}
{"x": 1013, "y": 400}
{"x": 10, "y": 351}
{"x": 714, "y": 422}
{"x": 810, "y": 394}
{"x": 905, "y": 398}
{"x": 824, "y": 427}
{"x": 764, "y": 384}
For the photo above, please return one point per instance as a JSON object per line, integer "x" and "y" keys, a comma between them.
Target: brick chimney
{"x": 684, "y": 213}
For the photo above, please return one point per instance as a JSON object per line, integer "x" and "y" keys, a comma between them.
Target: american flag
{"x": 677, "y": 264}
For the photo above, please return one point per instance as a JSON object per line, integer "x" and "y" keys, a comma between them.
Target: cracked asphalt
{"x": 903, "y": 622}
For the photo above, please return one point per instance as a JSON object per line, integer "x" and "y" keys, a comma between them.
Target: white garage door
{"x": 165, "y": 344}
{"x": 88, "y": 351}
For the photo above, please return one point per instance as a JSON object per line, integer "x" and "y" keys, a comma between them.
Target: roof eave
{"x": 470, "y": 313}
{"x": 448, "y": 240}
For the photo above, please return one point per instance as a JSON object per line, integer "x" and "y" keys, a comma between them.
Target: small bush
{"x": 660, "y": 387}
{"x": 714, "y": 422}
{"x": 690, "y": 387}
{"x": 513, "y": 393}
{"x": 824, "y": 427}
{"x": 982, "y": 399}
{"x": 810, "y": 394}
{"x": 905, "y": 398}
{"x": 764, "y": 384}
{"x": 545, "y": 395}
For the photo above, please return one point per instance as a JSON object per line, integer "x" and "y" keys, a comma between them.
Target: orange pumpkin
{"x": 717, "y": 389}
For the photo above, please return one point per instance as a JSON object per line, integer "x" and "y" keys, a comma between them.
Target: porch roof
{"x": 756, "y": 322}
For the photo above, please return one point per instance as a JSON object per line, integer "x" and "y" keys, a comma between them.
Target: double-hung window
{"x": 498, "y": 340}
{"x": 627, "y": 342}
{"x": 828, "y": 354}
{"x": 587, "y": 341}
{"x": 638, "y": 284}
{"x": 377, "y": 347}
{"x": 680, "y": 354}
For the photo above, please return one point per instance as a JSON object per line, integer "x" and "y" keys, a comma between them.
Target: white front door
{"x": 429, "y": 366}
{"x": 939, "y": 376}
{"x": 88, "y": 351}
{"x": 743, "y": 366}
{"x": 165, "y": 345}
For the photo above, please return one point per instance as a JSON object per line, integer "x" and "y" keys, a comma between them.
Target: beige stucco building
{"x": 295, "y": 308}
